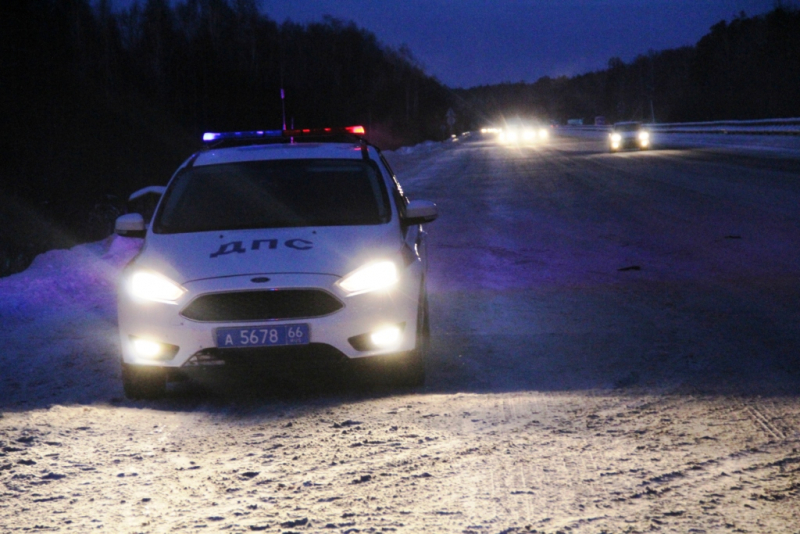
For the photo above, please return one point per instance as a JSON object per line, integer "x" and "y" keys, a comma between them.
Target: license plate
{"x": 263, "y": 336}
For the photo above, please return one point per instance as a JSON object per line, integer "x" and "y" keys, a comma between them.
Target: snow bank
{"x": 421, "y": 148}
{"x": 60, "y": 341}
{"x": 82, "y": 277}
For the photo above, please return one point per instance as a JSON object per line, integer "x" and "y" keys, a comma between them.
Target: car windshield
{"x": 274, "y": 194}
{"x": 629, "y": 127}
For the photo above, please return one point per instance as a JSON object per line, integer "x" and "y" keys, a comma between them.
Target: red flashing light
{"x": 355, "y": 130}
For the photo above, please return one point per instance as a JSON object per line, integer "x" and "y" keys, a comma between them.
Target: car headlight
{"x": 616, "y": 138}
{"x": 149, "y": 285}
{"x": 644, "y": 136}
{"x": 543, "y": 133}
{"x": 370, "y": 277}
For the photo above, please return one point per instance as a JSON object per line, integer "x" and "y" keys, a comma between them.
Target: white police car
{"x": 263, "y": 251}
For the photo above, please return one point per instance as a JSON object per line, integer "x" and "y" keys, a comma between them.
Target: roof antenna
{"x": 283, "y": 107}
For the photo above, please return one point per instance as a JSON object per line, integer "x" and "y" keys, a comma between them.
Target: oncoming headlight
{"x": 149, "y": 285}
{"x": 644, "y": 136}
{"x": 616, "y": 138}
{"x": 370, "y": 277}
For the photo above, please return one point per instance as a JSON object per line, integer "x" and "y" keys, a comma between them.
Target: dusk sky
{"x": 465, "y": 43}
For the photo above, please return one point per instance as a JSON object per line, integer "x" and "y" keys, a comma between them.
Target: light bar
{"x": 355, "y": 130}
{"x": 211, "y": 137}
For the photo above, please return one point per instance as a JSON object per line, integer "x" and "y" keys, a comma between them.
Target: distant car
{"x": 628, "y": 135}
{"x": 520, "y": 133}
{"x": 295, "y": 251}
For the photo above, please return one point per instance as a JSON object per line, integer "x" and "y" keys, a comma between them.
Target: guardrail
{"x": 752, "y": 127}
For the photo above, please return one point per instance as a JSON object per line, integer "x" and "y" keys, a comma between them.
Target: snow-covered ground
{"x": 612, "y": 352}
{"x": 59, "y": 321}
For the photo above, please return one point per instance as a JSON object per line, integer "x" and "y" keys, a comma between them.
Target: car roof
{"x": 216, "y": 156}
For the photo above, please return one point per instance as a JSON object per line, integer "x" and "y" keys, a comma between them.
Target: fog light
{"x": 385, "y": 337}
{"x": 153, "y": 350}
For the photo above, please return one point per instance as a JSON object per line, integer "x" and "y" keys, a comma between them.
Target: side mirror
{"x": 151, "y": 189}
{"x": 130, "y": 225}
{"x": 420, "y": 212}
{"x": 145, "y": 200}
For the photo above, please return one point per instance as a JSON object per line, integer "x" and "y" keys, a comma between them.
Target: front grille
{"x": 263, "y": 305}
{"x": 271, "y": 369}
{"x": 311, "y": 355}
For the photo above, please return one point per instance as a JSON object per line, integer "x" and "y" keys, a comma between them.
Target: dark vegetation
{"x": 95, "y": 104}
{"x": 748, "y": 68}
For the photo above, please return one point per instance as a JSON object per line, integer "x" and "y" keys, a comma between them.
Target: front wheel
{"x": 413, "y": 372}
{"x": 144, "y": 381}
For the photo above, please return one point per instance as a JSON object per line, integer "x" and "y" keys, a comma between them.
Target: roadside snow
{"x": 59, "y": 319}
{"x": 79, "y": 278}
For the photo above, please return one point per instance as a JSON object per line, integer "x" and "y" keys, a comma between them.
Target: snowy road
{"x": 615, "y": 349}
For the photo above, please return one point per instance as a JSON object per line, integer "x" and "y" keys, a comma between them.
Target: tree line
{"x": 748, "y": 68}
{"x": 98, "y": 103}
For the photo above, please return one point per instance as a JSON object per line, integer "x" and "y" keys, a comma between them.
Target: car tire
{"x": 143, "y": 381}
{"x": 412, "y": 373}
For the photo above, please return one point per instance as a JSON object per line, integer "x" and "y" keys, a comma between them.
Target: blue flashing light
{"x": 210, "y": 137}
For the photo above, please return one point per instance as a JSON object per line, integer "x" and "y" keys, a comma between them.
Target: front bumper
{"x": 626, "y": 142}
{"x": 190, "y": 343}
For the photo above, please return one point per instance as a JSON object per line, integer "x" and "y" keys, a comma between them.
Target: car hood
{"x": 319, "y": 250}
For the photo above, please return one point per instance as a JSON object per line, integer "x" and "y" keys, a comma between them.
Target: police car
{"x": 276, "y": 246}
